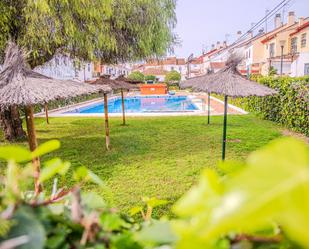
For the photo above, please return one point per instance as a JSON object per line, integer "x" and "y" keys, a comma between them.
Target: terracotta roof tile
{"x": 305, "y": 25}
{"x": 155, "y": 71}
{"x": 217, "y": 65}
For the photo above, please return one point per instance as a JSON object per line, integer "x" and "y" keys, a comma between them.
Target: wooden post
{"x": 46, "y": 113}
{"x": 208, "y": 108}
{"x": 224, "y": 128}
{"x": 123, "y": 109}
{"x": 107, "y": 138}
{"x": 33, "y": 144}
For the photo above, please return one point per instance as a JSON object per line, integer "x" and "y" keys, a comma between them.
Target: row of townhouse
{"x": 284, "y": 48}
{"x": 114, "y": 70}
{"x": 66, "y": 68}
{"x": 160, "y": 67}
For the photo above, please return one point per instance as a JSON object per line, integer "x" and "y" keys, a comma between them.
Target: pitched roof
{"x": 155, "y": 71}
{"x": 166, "y": 61}
{"x": 217, "y": 65}
{"x": 228, "y": 81}
{"x": 305, "y": 25}
{"x": 276, "y": 31}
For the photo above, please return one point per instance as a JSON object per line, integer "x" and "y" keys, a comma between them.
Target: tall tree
{"x": 109, "y": 30}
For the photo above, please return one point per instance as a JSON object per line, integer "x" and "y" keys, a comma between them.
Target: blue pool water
{"x": 142, "y": 104}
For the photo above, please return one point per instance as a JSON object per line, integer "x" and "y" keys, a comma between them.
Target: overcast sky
{"x": 204, "y": 22}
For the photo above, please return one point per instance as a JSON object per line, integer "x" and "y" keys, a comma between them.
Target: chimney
{"x": 224, "y": 44}
{"x": 250, "y": 34}
{"x": 291, "y": 18}
{"x": 238, "y": 34}
{"x": 212, "y": 46}
{"x": 218, "y": 45}
{"x": 301, "y": 21}
{"x": 261, "y": 31}
{"x": 278, "y": 22}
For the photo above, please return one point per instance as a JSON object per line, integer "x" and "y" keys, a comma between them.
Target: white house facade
{"x": 65, "y": 68}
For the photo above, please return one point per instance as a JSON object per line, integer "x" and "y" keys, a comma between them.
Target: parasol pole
{"x": 46, "y": 113}
{"x": 107, "y": 138}
{"x": 208, "y": 108}
{"x": 123, "y": 109}
{"x": 33, "y": 144}
{"x": 224, "y": 127}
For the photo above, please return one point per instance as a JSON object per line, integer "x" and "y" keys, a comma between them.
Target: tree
{"x": 150, "y": 78}
{"x": 172, "y": 77}
{"x": 110, "y": 30}
{"x": 137, "y": 76}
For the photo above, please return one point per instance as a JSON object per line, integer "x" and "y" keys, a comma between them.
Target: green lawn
{"x": 159, "y": 157}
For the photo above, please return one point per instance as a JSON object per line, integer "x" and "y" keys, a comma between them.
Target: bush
{"x": 137, "y": 76}
{"x": 173, "y": 77}
{"x": 150, "y": 78}
{"x": 65, "y": 217}
{"x": 66, "y": 102}
{"x": 289, "y": 108}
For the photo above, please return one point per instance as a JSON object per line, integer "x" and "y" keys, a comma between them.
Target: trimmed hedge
{"x": 66, "y": 102}
{"x": 289, "y": 108}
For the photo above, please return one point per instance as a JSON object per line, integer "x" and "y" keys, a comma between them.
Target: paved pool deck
{"x": 200, "y": 100}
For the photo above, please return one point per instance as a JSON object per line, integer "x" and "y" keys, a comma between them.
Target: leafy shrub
{"x": 272, "y": 71}
{"x": 137, "y": 76}
{"x": 66, "y": 217}
{"x": 150, "y": 78}
{"x": 289, "y": 108}
{"x": 173, "y": 77}
{"x": 260, "y": 201}
{"x": 65, "y": 102}
{"x": 260, "y": 204}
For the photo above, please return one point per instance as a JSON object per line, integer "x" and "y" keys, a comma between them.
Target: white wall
{"x": 298, "y": 66}
{"x": 62, "y": 67}
{"x": 117, "y": 70}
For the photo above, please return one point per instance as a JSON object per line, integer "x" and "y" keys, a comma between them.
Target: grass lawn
{"x": 152, "y": 156}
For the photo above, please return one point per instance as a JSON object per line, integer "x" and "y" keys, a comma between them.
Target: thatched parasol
{"x": 19, "y": 86}
{"x": 131, "y": 81}
{"x": 115, "y": 85}
{"x": 228, "y": 82}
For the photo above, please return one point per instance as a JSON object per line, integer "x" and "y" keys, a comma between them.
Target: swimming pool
{"x": 141, "y": 104}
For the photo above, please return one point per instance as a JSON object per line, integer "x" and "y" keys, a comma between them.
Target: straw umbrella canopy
{"x": 114, "y": 85}
{"x": 230, "y": 83}
{"x": 20, "y": 86}
{"x": 131, "y": 81}
{"x": 196, "y": 81}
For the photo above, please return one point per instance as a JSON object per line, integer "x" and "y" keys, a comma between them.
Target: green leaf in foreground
{"x": 273, "y": 187}
{"x": 84, "y": 174}
{"x": 27, "y": 224}
{"x": 157, "y": 233}
{"x": 53, "y": 167}
{"x": 15, "y": 153}
{"x": 46, "y": 148}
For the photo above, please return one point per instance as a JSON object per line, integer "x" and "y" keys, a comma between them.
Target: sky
{"x": 201, "y": 23}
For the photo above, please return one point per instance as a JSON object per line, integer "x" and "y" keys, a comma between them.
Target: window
{"x": 294, "y": 45}
{"x": 304, "y": 40}
{"x": 306, "y": 69}
{"x": 272, "y": 50}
